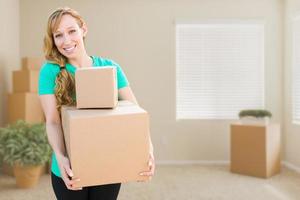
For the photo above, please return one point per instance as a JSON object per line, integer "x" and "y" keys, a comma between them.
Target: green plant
{"x": 24, "y": 144}
{"x": 255, "y": 113}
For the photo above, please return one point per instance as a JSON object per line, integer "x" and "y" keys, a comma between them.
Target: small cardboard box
{"x": 96, "y": 87}
{"x": 107, "y": 146}
{"x": 25, "y": 80}
{"x": 24, "y": 106}
{"x": 32, "y": 63}
{"x": 256, "y": 150}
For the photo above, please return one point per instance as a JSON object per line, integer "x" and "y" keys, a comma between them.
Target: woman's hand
{"x": 151, "y": 164}
{"x": 66, "y": 172}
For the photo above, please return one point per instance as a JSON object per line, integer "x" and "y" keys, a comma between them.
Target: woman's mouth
{"x": 69, "y": 49}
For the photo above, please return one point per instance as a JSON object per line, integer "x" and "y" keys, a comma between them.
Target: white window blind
{"x": 296, "y": 71}
{"x": 219, "y": 69}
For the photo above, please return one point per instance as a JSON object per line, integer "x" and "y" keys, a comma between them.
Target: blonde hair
{"x": 65, "y": 83}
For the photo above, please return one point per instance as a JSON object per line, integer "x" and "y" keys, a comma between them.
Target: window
{"x": 296, "y": 71}
{"x": 219, "y": 69}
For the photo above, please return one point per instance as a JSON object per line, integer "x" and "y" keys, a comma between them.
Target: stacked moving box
{"x": 23, "y": 102}
{"x": 109, "y": 143}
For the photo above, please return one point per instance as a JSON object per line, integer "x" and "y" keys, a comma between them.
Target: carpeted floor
{"x": 191, "y": 182}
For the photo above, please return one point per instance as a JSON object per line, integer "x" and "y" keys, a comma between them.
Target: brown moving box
{"x": 25, "y": 80}
{"x": 24, "y": 106}
{"x": 96, "y": 87}
{"x": 32, "y": 63}
{"x": 255, "y": 150}
{"x": 107, "y": 145}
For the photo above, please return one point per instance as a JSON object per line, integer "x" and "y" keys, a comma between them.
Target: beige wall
{"x": 9, "y": 49}
{"x": 292, "y": 136}
{"x": 140, "y": 35}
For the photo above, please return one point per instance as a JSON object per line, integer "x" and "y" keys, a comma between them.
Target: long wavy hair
{"x": 65, "y": 82}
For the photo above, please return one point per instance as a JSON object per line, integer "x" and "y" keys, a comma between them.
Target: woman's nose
{"x": 67, "y": 39}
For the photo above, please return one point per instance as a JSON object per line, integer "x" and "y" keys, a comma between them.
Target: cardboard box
{"x": 32, "y": 63}
{"x": 96, "y": 87}
{"x": 107, "y": 145}
{"x": 255, "y": 150}
{"x": 25, "y": 80}
{"x": 25, "y": 106}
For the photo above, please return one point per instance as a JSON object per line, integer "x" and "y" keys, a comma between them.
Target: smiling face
{"x": 68, "y": 37}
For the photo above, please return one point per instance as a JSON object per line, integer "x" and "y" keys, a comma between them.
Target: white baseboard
{"x": 215, "y": 162}
{"x": 192, "y": 162}
{"x": 291, "y": 166}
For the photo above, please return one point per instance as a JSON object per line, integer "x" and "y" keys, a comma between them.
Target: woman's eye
{"x": 72, "y": 31}
{"x": 58, "y": 35}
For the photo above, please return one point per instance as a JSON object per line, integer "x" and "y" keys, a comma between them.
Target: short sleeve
{"x": 121, "y": 77}
{"x": 46, "y": 80}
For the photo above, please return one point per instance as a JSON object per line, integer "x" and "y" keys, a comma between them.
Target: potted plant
{"x": 255, "y": 116}
{"x": 26, "y": 148}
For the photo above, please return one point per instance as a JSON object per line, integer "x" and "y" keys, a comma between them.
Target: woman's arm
{"x": 126, "y": 93}
{"x": 53, "y": 125}
{"x": 56, "y": 138}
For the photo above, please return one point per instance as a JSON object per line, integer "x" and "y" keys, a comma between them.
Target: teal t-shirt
{"x": 47, "y": 85}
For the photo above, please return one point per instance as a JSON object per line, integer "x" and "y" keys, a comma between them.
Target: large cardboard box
{"x": 107, "y": 145}
{"x": 96, "y": 87}
{"x": 24, "y": 106}
{"x": 256, "y": 150}
{"x": 32, "y": 63}
{"x": 25, "y": 80}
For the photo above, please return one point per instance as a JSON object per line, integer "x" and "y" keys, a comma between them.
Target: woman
{"x": 65, "y": 52}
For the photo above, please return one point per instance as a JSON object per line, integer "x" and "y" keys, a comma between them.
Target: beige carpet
{"x": 191, "y": 182}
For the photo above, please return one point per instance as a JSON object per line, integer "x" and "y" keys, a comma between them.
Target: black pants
{"x": 101, "y": 192}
